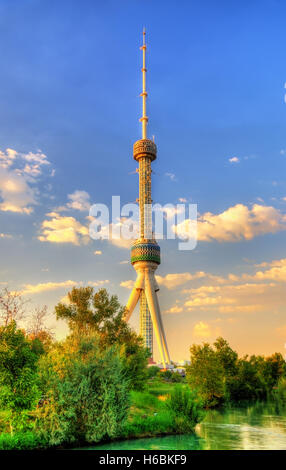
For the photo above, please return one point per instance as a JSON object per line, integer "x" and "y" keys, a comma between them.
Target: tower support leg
{"x": 164, "y": 341}
{"x": 150, "y": 295}
{"x": 132, "y": 302}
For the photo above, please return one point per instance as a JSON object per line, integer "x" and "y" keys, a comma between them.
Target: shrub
{"x": 19, "y": 391}
{"x": 281, "y": 389}
{"x": 186, "y": 407}
{"x": 87, "y": 394}
{"x": 152, "y": 371}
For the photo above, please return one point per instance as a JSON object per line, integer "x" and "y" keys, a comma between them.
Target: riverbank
{"x": 256, "y": 425}
{"x": 249, "y": 426}
{"x": 149, "y": 416}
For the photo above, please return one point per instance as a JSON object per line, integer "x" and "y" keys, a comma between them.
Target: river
{"x": 253, "y": 426}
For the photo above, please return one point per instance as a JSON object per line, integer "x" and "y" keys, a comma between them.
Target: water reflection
{"x": 253, "y": 426}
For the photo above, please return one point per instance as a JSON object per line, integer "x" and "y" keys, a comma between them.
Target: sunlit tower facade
{"x": 145, "y": 252}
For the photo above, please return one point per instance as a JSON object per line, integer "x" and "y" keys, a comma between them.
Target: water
{"x": 256, "y": 426}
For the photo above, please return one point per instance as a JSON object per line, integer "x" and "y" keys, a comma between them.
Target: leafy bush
{"x": 186, "y": 407}
{"x": 152, "y": 371}
{"x": 99, "y": 313}
{"x": 177, "y": 378}
{"x": 281, "y": 390}
{"x": 21, "y": 441}
{"x": 19, "y": 391}
{"x": 87, "y": 394}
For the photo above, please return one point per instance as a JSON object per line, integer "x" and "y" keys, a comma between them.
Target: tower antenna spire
{"x": 144, "y": 94}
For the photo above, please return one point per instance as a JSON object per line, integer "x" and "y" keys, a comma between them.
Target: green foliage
{"x": 247, "y": 383}
{"x": 152, "y": 371}
{"x": 220, "y": 375}
{"x": 98, "y": 313}
{"x": 270, "y": 369}
{"x": 227, "y": 356}
{"x": 206, "y": 374}
{"x": 21, "y": 441}
{"x": 19, "y": 389}
{"x": 89, "y": 312}
{"x": 186, "y": 407}
{"x": 160, "y": 423}
{"x": 281, "y": 390}
{"x": 87, "y": 395}
{"x": 177, "y": 378}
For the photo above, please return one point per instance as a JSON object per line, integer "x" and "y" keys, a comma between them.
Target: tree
{"x": 86, "y": 392}
{"x": 98, "y": 313}
{"x": 270, "y": 369}
{"x": 206, "y": 374}
{"x": 12, "y": 306}
{"x": 247, "y": 384}
{"x": 19, "y": 390}
{"x": 226, "y": 355}
{"x": 37, "y": 329}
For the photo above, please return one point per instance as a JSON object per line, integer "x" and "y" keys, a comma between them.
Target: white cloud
{"x": 29, "y": 289}
{"x": 235, "y": 223}
{"x": 172, "y": 176}
{"x": 234, "y": 160}
{"x": 263, "y": 291}
{"x": 46, "y": 286}
{"x": 5, "y": 235}
{"x": 16, "y": 193}
{"x": 204, "y": 330}
{"x": 79, "y": 200}
{"x": 128, "y": 284}
{"x": 171, "y": 281}
{"x": 98, "y": 283}
{"x": 174, "y": 309}
{"x": 60, "y": 229}
{"x": 18, "y": 176}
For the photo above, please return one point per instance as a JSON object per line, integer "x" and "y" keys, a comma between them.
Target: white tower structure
{"x": 145, "y": 252}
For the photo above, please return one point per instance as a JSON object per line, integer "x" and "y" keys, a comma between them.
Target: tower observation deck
{"x": 145, "y": 252}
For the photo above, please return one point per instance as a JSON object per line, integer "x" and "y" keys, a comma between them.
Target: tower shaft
{"x": 145, "y": 199}
{"x": 146, "y": 326}
{"x": 145, "y": 252}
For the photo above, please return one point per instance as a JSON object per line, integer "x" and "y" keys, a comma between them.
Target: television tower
{"x": 145, "y": 252}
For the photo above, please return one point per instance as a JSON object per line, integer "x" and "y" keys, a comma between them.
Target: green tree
{"x": 19, "y": 391}
{"x": 206, "y": 374}
{"x": 86, "y": 392}
{"x": 228, "y": 359}
{"x": 247, "y": 384}
{"x": 227, "y": 356}
{"x": 90, "y": 312}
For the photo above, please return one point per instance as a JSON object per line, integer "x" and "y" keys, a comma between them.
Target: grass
{"x": 21, "y": 441}
{"x": 148, "y": 414}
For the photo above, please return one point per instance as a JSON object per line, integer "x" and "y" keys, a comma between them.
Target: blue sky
{"x": 69, "y": 86}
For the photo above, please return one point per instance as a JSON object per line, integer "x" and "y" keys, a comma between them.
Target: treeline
{"x": 79, "y": 390}
{"x": 96, "y": 385}
{"x": 220, "y": 376}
